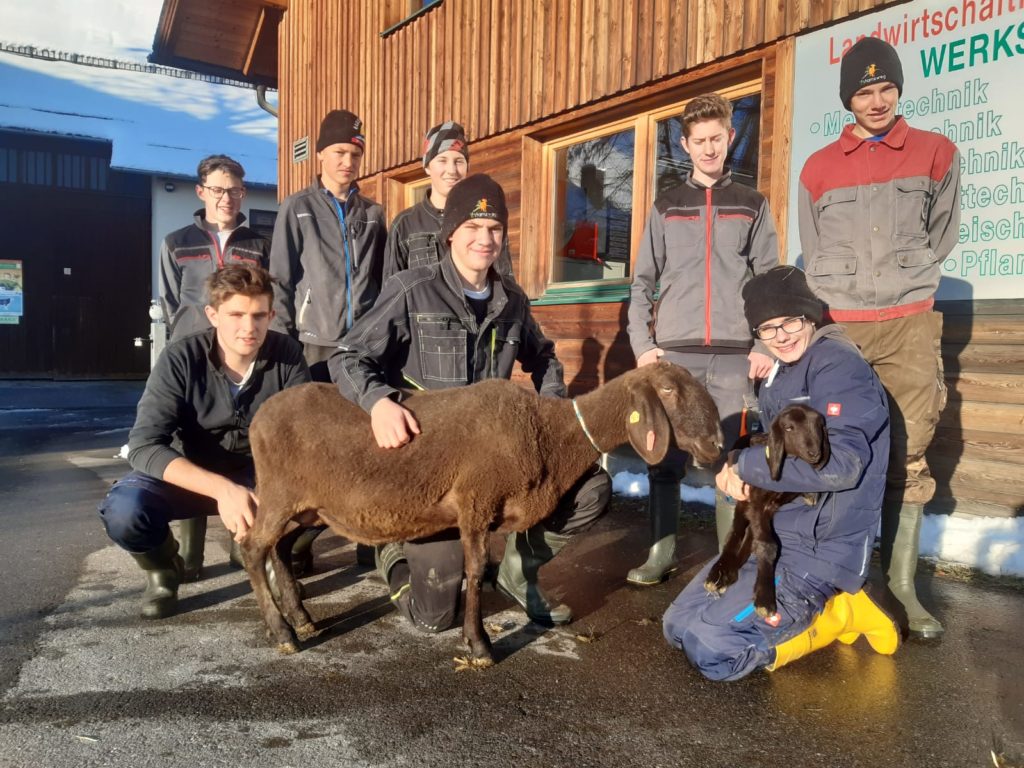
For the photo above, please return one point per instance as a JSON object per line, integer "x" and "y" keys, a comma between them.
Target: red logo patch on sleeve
{"x": 834, "y": 409}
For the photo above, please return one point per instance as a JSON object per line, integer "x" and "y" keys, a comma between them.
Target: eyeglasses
{"x": 789, "y": 325}
{"x": 235, "y": 193}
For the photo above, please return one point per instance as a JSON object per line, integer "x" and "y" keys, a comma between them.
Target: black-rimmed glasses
{"x": 235, "y": 193}
{"x": 789, "y": 325}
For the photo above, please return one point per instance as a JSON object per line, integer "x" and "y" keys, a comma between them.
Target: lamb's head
{"x": 798, "y": 431}
{"x": 666, "y": 400}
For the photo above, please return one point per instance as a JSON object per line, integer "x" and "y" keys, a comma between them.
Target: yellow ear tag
{"x": 767, "y": 453}
{"x": 634, "y": 417}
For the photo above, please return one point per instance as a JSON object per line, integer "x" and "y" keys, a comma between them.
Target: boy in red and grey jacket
{"x": 879, "y": 211}
{"x": 703, "y": 241}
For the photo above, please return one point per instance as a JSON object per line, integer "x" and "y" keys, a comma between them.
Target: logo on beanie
{"x": 358, "y": 140}
{"x": 456, "y": 145}
{"x": 482, "y": 210}
{"x": 872, "y": 74}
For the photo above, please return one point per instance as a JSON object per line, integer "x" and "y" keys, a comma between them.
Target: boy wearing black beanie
{"x": 879, "y": 210}
{"x": 448, "y": 324}
{"x": 327, "y": 256}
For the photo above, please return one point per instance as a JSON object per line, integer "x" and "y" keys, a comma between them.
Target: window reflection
{"x": 594, "y": 209}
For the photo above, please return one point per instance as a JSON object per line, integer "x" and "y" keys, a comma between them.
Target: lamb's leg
{"x": 290, "y": 599}
{"x": 255, "y": 548}
{"x": 766, "y": 550}
{"x": 725, "y": 571}
{"x": 474, "y": 547}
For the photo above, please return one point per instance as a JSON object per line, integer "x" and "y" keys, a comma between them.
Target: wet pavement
{"x": 84, "y": 682}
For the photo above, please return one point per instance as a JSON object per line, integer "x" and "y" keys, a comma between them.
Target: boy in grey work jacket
{"x": 447, "y": 325}
{"x": 704, "y": 240}
{"x": 327, "y": 253}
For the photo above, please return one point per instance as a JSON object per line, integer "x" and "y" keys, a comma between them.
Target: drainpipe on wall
{"x": 261, "y": 99}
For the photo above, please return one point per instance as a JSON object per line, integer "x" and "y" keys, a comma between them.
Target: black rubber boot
{"x": 725, "y": 511}
{"x": 525, "y": 553}
{"x": 900, "y": 542}
{"x": 192, "y": 542}
{"x": 163, "y": 570}
{"x": 663, "y": 504}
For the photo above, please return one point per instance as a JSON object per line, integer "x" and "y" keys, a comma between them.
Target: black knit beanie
{"x": 340, "y": 127}
{"x": 443, "y": 137}
{"x": 779, "y": 292}
{"x": 475, "y": 197}
{"x": 869, "y": 61}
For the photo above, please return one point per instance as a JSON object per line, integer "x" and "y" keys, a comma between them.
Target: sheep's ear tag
{"x": 767, "y": 453}
{"x": 634, "y": 417}
{"x": 650, "y": 440}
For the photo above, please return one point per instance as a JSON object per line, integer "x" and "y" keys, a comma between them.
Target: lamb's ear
{"x": 776, "y": 449}
{"x": 826, "y": 447}
{"x": 647, "y": 425}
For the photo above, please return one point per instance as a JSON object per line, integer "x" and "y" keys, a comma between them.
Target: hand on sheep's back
{"x": 393, "y": 425}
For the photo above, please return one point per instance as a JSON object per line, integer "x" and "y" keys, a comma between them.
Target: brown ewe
{"x": 491, "y": 457}
{"x": 797, "y": 431}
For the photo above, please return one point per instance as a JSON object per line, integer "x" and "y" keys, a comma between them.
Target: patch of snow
{"x": 993, "y": 545}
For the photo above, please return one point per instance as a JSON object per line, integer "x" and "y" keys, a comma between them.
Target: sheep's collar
{"x": 583, "y": 424}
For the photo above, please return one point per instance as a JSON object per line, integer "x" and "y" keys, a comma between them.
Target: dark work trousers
{"x": 725, "y": 379}
{"x": 138, "y": 509}
{"x": 436, "y": 564}
{"x": 317, "y": 356}
{"x": 722, "y": 635}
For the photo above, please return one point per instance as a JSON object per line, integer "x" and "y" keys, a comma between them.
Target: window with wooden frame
{"x": 599, "y": 185}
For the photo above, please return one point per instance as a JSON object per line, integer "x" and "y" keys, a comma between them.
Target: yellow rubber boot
{"x": 845, "y": 618}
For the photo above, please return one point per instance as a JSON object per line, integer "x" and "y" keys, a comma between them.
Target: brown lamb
{"x": 491, "y": 457}
{"x": 797, "y": 431}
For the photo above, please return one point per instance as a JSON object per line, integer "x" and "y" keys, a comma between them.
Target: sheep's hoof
{"x": 306, "y": 631}
{"x": 463, "y": 663}
{"x": 288, "y": 648}
{"x": 768, "y": 613}
{"x": 712, "y": 586}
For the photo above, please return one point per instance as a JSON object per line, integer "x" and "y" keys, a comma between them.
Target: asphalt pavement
{"x": 85, "y": 682}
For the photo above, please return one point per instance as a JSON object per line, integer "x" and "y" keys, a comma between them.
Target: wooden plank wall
{"x": 495, "y": 65}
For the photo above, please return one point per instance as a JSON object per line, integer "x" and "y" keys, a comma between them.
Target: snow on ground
{"x": 994, "y": 545}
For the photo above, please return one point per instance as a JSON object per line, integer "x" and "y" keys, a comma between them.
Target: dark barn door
{"x": 82, "y": 233}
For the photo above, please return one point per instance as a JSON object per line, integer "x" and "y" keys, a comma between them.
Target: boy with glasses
{"x": 214, "y": 239}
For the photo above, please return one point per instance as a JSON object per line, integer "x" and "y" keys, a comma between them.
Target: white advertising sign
{"x": 963, "y": 68}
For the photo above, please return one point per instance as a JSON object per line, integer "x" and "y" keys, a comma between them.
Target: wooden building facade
{"x": 556, "y": 93}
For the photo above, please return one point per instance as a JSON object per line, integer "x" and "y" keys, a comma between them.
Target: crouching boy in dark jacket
{"x": 204, "y": 391}
{"x": 446, "y": 325}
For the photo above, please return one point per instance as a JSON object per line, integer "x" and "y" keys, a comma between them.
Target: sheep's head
{"x": 666, "y": 400}
{"x": 798, "y": 431}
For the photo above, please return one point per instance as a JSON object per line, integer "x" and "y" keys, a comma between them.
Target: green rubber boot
{"x": 900, "y": 542}
{"x": 525, "y": 553}
{"x": 302, "y": 550}
{"x": 664, "y": 512}
{"x": 163, "y": 569}
{"x": 725, "y": 511}
{"x": 192, "y": 542}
